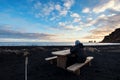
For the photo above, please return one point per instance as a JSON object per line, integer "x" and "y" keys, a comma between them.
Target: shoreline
{"x": 53, "y": 44}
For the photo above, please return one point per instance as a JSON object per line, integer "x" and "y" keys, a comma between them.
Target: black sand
{"x": 105, "y": 66}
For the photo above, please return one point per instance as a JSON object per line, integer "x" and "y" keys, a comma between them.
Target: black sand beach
{"x": 105, "y": 66}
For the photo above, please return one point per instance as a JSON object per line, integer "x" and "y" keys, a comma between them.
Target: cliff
{"x": 114, "y": 37}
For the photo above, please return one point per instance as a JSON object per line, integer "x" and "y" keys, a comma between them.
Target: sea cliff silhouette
{"x": 114, "y": 37}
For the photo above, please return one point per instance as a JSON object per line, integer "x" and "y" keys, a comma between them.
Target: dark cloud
{"x": 6, "y": 33}
{"x": 114, "y": 11}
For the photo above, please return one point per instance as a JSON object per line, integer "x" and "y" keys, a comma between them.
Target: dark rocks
{"x": 114, "y": 37}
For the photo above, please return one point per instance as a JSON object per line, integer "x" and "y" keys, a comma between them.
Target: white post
{"x": 26, "y": 63}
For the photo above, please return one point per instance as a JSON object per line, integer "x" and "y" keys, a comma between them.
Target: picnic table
{"x": 61, "y": 57}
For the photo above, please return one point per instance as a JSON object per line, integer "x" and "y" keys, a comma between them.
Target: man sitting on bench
{"x": 77, "y": 55}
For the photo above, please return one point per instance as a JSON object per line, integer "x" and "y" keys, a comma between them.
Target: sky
{"x": 57, "y": 20}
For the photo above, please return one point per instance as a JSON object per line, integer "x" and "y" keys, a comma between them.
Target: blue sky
{"x": 57, "y": 20}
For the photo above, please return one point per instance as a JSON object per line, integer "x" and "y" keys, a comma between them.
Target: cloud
{"x": 43, "y": 9}
{"x": 8, "y": 33}
{"x": 58, "y": 7}
{"x": 90, "y": 23}
{"x": 66, "y": 7}
{"x": 102, "y": 30}
{"x": 99, "y": 33}
{"x": 111, "y": 15}
{"x": 104, "y": 26}
{"x": 103, "y": 20}
{"x": 110, "y": 21}
{"x": 48, "y": 8}
{"x": 75, "y": 15}
{"x": 22, "y": 25}
{"x": 37, "y": 5}
{"x": 86, "y": 10}
{"x": 89, "y": 19}
{"x": 52, "y": 8}
{"x": 107, "y": 5}
{"x": 63, "y": 12}
{"x": 102, "y": 16}
{"x": 68, "y": 3}
{"x": 76, "y": 20}
{"x": 68, "y": 26}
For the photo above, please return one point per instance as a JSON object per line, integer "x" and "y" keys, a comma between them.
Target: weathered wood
{"x": 51, "y": 59}
{"x": 75, "y": 68}
{"x": 62, "y": 57}
{"x": 61, "y": 61}
{"x": 62, "y": 52}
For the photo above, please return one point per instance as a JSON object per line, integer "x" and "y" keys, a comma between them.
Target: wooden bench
{"x": 75, "y": 68}
{"x": 51, "y": 59}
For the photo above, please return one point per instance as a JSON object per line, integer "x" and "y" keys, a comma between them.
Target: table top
{"x": 62, "y": 52}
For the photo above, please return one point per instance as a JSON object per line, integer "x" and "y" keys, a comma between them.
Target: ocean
{"x": 51, "y": 44}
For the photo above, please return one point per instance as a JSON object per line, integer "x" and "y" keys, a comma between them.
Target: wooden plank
{"x": 77, "y": 66}
{"x": 90, "y": 57}
{"x": 62, "y": 52}
{"x": 51, "y": 58}
{"x": 61, "y": 61}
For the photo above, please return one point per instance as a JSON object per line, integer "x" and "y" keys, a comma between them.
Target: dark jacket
{"x": 78, "y": 51}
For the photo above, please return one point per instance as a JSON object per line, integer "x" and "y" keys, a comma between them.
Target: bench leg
{"x": 61, "y": 61}
{"x": 89, "y": 63}
{"x": 77, "y": 72}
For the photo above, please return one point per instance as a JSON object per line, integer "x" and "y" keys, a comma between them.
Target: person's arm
{"x": 73, "y": 49}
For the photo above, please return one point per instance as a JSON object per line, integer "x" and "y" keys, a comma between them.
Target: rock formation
{"x": 114, "y": 37}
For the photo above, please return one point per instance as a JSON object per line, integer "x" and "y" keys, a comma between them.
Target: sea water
{"x": 51, "y": 44}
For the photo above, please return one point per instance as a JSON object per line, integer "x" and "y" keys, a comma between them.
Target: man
{"x": 77, "y": 54}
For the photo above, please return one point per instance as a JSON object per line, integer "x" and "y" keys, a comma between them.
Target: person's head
{"x": 77, "y": 42}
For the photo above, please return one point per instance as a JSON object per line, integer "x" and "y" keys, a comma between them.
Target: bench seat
{"x": 51, "y": 59}
{"x": 75, "y": 68}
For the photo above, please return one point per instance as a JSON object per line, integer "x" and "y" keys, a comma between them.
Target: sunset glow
{"x": 57, "y": 20}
